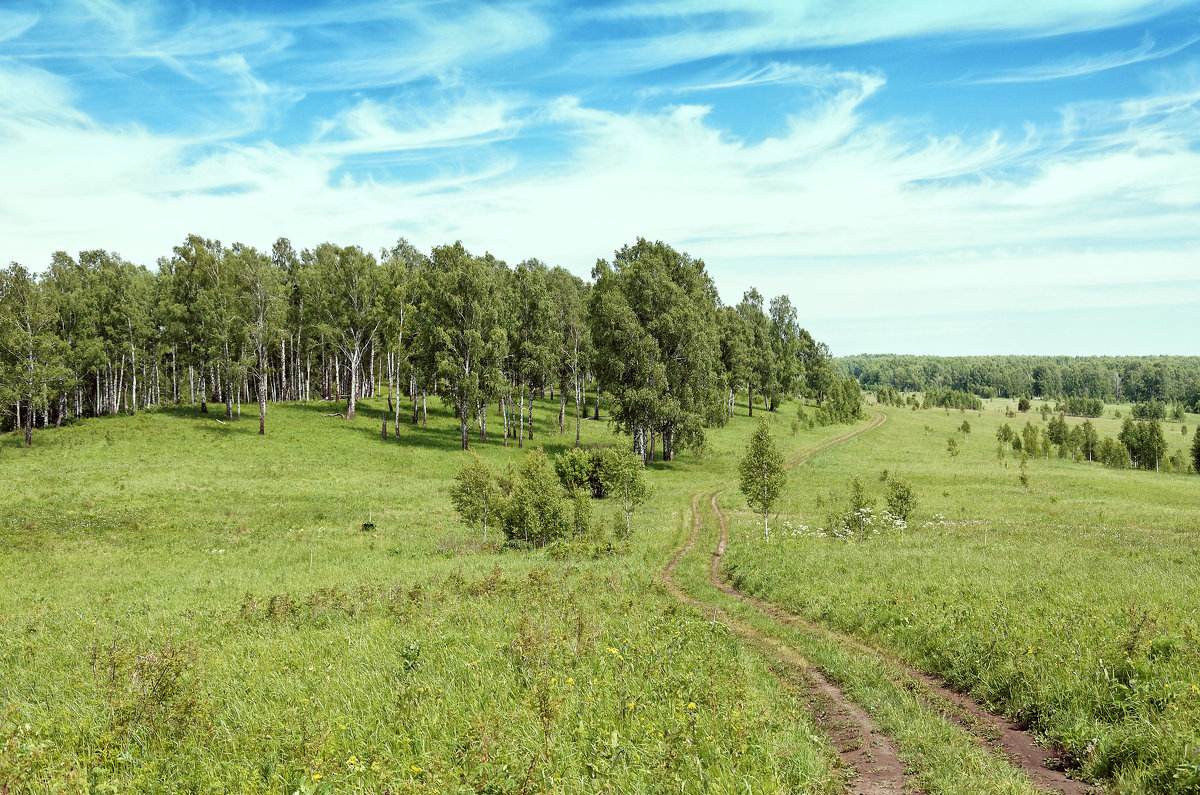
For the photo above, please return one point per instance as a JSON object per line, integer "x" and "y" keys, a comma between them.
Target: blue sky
{"x": 925, "y": 177}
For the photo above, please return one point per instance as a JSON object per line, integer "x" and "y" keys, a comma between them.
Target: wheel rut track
{"x": 1001, "y": 735}
{"x": 865, "y": 750}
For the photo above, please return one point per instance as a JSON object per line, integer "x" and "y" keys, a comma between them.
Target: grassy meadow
{"x": 189, "y": 607}
{"x": 1073, "y": 606}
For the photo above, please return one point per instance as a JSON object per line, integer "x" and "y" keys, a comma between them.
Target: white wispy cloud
{"x": 13, "y": 23}
{"x": 1083, "y": 65}
{"x": 371, "y": 127}
{"x": 832, "y": 189}
{"x": 686, "y": 32}
{"x": 409, "y": 46}
{"x": 853, "y": 214}
{"x": 819, "y": 77}
{"x": 337, "y": 47}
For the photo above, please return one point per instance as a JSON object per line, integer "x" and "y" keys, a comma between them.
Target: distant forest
{"x": 1114, "y": 379}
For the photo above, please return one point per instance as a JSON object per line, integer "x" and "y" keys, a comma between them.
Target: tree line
{"x": 97, "y": 334}
{"x": 1112, "y": 379}
{"x": 1141, "y": 444}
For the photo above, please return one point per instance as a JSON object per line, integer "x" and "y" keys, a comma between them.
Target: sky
{"x": 942, "y": 177}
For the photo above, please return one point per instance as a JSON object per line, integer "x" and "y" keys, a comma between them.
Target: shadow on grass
{"x": 441, "y": 433}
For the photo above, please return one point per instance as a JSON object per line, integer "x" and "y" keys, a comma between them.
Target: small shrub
{"x": 901, "y": 499}
{"x": 534, "y": 510}
{"x": 592, "y": 470}
{"x": 574, "y": 469}
{"x": 155, "y": 689}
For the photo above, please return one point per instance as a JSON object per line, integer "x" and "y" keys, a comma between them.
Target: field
{"x": 189, "y": 607}
{"x": 1072, "y": 606}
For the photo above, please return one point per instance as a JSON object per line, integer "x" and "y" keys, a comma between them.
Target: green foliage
{"x": 788, "y": 342}
{"x": 952, "y": 399}
{"x": 595, "y": 470}
{"x": 901, "y": 498}
{"x": 30, "y": 352}
{"x": 475, "y": 495}
{"x": 581, "y": 515}
{"x": 889, "y": 396}
{"x": 1056, "y": 430}
{"x": 1023, "y": 404}
{"x": 228, "y": 323}
{"x": 1029, "y": 440}
{"x": 761, "y": 355}
{"x": 1082, "y": 407}
{"x": 1196, "y": 452}
{"x": 1150, "y": 410}
{"x": 626, "y": 481}
{"x": 605, "y": 473}
{"x": 535, "y": 511}
{"x": 855, "y": 520}
{"x": 1108, "y": 378}
{"x": 654, "y": 325}
{"x": 761, "y": 472}
{"x": 1005, "y": 435}
{"x": 462, "y": 329}
{"x": 1088, "y": 440}
{"x": 844, "y": 403}
{"x": 1113, "y": 454}
{"x": 1026, "y": 602}
{"x": 574, "y": 469}
{"x": 1145, "y": 442}
{"x": 952, "y": 446}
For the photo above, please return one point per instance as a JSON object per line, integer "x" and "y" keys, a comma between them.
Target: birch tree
{"x": 264, "y": 307}
{"x": 345, "y": 287}
{"x": 761, "y": 473}
{"x": 654, "y": 323}
{"x": 462, "y": 328}
{"x": 27, "y": 337}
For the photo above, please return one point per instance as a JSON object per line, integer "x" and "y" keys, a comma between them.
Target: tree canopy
{"x": 97, "y": 334}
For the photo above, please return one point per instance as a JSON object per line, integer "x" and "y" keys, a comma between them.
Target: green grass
{"x": 1072, "y": 607}
{"x": 188, "y": 607}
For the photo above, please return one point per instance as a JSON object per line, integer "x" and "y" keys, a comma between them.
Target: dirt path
{"x": 998, "y": 733}
{"x": 869, "y": 753}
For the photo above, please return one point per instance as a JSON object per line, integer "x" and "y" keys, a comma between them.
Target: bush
{"x": 574, "y": 469}
{"x": 605, "y": 463}
{"x": 581, "y": 515}
{"x": 857, "y": 519}
{"x": 1023, "y": 404}
{"x": 534, "y": 510}
{"x": 901, "y": 500}
{"x": 593, "y": 470}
